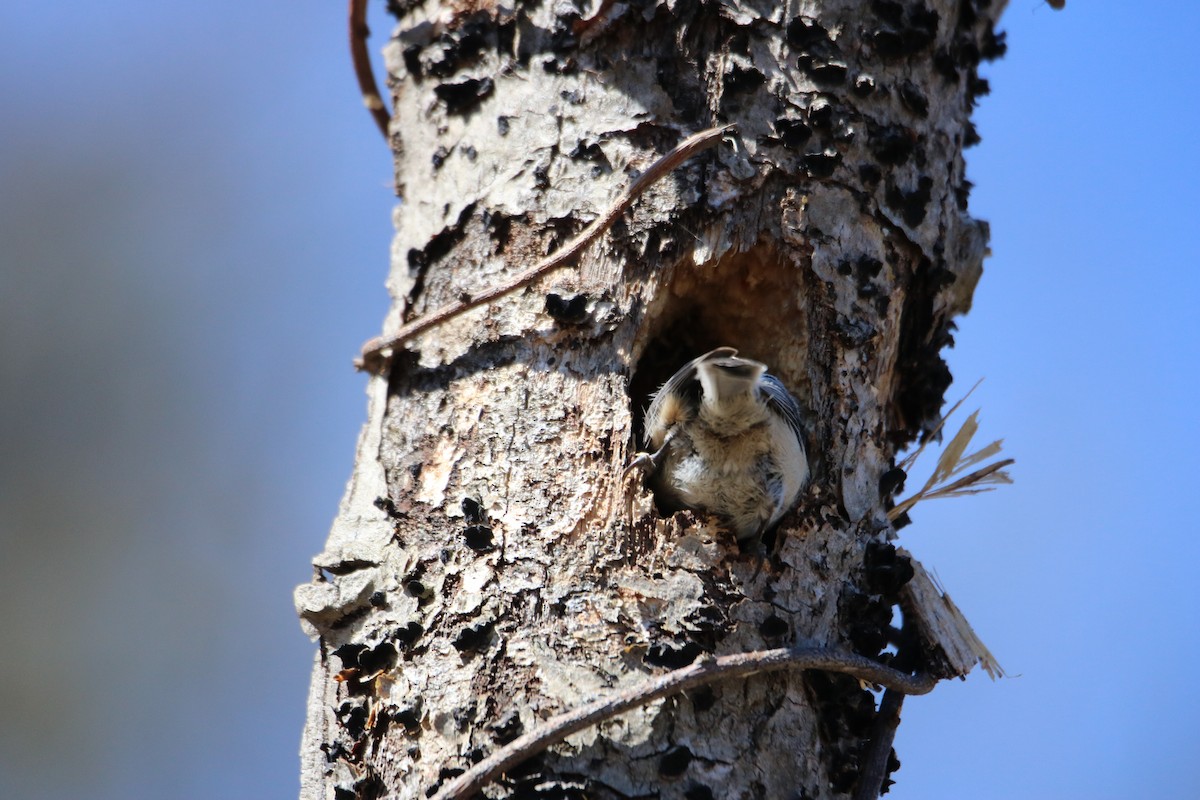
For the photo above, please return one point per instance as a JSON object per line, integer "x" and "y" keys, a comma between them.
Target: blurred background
{"x": 194, "y": 231}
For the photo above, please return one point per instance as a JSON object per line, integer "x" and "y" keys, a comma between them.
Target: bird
{"x": 727, "y": 438}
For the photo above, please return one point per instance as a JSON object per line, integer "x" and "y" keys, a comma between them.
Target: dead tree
{"x": 556, "y": 258}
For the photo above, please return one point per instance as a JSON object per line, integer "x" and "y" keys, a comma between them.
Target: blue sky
{"x": 194, "y": 235}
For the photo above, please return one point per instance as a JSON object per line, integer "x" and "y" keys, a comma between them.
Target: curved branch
{"x": 362, "y": 65}
{"x": 373, "y": 359}
{"x": 557, "y": 728}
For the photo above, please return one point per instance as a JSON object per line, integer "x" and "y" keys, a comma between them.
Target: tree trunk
{"x": 490, "y": 566}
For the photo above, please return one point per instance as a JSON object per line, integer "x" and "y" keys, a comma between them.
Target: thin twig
{"x": 558, "y": 728}
{"x": 362, "y": 65}
{"x": 373, "y": 359}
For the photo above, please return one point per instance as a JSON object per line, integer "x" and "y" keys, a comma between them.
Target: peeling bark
{"x": 489, "y": 567}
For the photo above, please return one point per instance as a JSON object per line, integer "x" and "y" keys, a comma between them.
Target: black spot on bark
{"x": 478, "y": 533}
{"x": 891, "y": 145}
{"x": 845, "y": 712}
{"x": 891, "y": 481}
{"x": 410, "y": 715}
{"x": 945, "y": 65}
{"x": 453, "y": 50}
{"x": 592, "y": 152}
{"x": 509, "y": 727}
{"x": 828, "y": 75}
{"x": 675, "y": 762}
{"x": 821, "y": 165}
{"x": 905, "y": 32}
{"x": 853, "y": 333}
{"x": 408, "y": 634}
{"x": 444, "y": 774}
{"x": 473, "y": 511}
{"x": 352, "y": 715}
{"x": 348, "y": 654}
{"x": 913, "y": 99}
{"x": 564, "y": 66}
{"x": 910, "y": 205}
{"x": 821, "y": 117}
{"x": 506, "y": 37}
{"x": 865, "y": 621}
{"x": 773, "y": 627}
{"x": 888, "y": 44}
{"x": 971, "y": 135}
{"x": 922, "y": 24}
{"x": 479, "y": 538}
{"x": 924, "y": 374}
{"x": 809, "y": 36}
{"x": 464, "y": 96}
{"x": 567, "y": 310}
{"x": 412, "y": 60}
{"x": 885, "y": 570}
{"x": 743, "y": 79}
{"x": 869, "y": 174}
{"x": 388, "y": 506}
{"x": 703, "y": 698}
{"x": 415, "y": 587}
{"x": 400, "y": 8}
{"x": 888, "y": 11}
{"x": 500, "y": 228}
{"x": 993, "y": 44}
{"x": 792, "y": 132}
{"x": 662, "y": 655}
{"x": 441, "y": 244}
{"x": 977, "y": 87}
{"x": 474, "y": 637}
{"x": 382, "y": 657}
{"x": 968, "y": 53}
{"x": 370, "y": 787}
{"x": 867, "y": 269}
{"x": 962, "y": 194}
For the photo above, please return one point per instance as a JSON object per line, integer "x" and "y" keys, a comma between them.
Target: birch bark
{"x": 489, "y": 566}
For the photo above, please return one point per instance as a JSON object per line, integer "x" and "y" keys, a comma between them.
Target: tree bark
{"x": 490, "y": 566}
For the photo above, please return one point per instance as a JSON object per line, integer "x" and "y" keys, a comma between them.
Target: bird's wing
{"x": 781, "y": 400}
